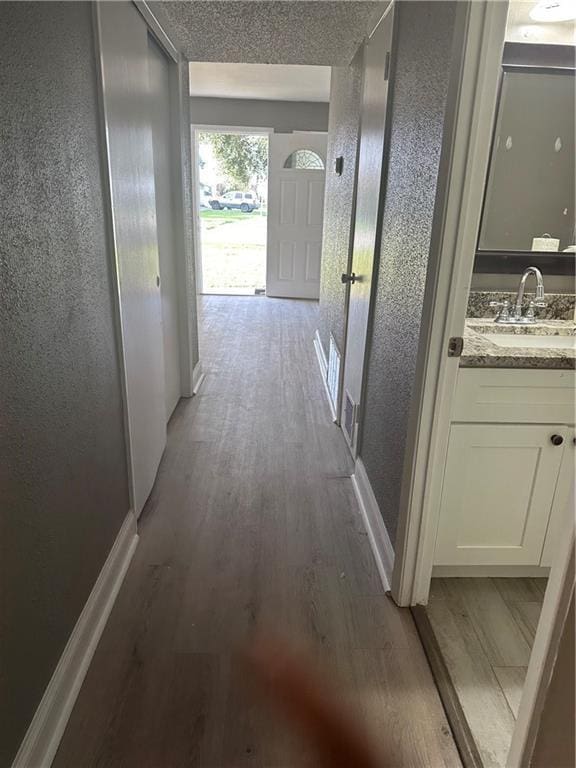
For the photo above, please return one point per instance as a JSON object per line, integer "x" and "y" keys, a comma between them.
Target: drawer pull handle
{"x": 556, "y": 439}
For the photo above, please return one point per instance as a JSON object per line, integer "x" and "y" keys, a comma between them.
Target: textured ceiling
{"x": 324, "y": 32}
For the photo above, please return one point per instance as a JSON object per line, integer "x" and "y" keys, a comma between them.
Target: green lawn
{"x": 226, "y": 217}
{"x": 223, "y": 216}
{"x": 233, "y": 250}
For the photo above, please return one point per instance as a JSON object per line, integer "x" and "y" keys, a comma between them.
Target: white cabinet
{"x": 507, "y": 480}
{"x": 498, "y": 493}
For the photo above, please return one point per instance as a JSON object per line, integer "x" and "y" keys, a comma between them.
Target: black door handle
{"x": 351, "y": 278}
{"x": 556, "y": 439}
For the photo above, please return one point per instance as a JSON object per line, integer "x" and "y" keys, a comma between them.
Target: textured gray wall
{"x": 422, "y": 68}
{"x": 63, "y": 481}
{"x": 344, "y": 125}
{"x": 283, "y": 116}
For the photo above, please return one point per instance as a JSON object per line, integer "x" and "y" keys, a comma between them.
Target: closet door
{"x": 161, "y": 112}
{"x": 124, "y": 55}
{"x": 371, "y": 184}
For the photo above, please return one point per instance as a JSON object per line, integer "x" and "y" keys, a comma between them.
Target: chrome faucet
{"x": 516, "y": 317}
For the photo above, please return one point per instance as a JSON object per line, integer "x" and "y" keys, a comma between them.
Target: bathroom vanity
{"x": 512, "y": 447}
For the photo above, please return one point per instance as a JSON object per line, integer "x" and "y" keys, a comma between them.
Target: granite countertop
{"x": 480, "y": 352}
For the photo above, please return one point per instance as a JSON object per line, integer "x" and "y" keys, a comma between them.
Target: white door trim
{"x": 49, "y": 722}
{"x": 481, "y": 26}
{"x": 183, "y": 212}
{"x": 196, "y": 210}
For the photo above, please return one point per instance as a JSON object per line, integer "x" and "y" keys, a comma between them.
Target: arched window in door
{"x": 304, "y": 159}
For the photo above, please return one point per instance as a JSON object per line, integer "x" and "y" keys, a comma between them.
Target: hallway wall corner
{"x": 421, "y": 75}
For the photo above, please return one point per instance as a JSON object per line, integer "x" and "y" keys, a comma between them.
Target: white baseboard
{"x": 197, "y": 378}
{"x": 382, "y": 548}
{"x": 323, "y": 364}
{"x": 47, "y": 727}
{"x": 320, "y": 354}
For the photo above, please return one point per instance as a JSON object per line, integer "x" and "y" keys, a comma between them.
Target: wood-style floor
{"x": 485, "y": 629}
{"x": 252, "y": 524}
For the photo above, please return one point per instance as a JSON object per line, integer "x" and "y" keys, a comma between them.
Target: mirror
{"x": 529, "y": 203}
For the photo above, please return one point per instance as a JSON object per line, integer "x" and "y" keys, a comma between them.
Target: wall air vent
{"x": 349, "y": 417}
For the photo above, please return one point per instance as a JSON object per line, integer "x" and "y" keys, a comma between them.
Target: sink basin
{"x": 532, "y": 342}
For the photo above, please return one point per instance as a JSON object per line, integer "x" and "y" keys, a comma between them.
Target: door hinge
{"x": 455, "y": 346}
{"x": 387, "y": 66}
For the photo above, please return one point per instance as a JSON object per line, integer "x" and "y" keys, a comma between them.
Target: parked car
{"x": 204, "y": 199}
{"x": 244, "y": 201}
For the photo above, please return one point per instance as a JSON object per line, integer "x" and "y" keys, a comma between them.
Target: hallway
{"x": 252, "y": 523}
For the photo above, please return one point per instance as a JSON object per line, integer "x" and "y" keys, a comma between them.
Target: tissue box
{"x": 545, "y": 243}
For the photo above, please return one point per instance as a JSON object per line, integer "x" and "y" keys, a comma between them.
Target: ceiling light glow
{"x": 554, "y": 10}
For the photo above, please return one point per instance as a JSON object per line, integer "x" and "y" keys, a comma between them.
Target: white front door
{"x": 366, "y": 224}
{"x": 124, "y": 52}
{"x": 296, "y": 174}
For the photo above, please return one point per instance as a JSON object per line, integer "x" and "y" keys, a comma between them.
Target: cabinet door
{"x": 497, "y": 495}
{"x": 562, "y": 515}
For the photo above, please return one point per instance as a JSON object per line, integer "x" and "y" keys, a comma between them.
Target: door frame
{"x": 195, "y": 129}
{"x": 473, "y": 108}
{"x": 187, "y": 314}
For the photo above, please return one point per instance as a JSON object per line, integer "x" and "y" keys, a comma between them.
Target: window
{"x": 238, "y": 195}
{"x": 304, "y": 159}
{"x": 248, "y": 195}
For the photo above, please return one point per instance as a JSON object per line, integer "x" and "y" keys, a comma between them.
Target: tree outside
{"x": 233, "y": 243}
{"x": 243, "y": 159}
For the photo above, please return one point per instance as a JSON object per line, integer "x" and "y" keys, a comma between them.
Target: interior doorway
{"x": 232, "y": 206}
{"x": 492, "y": 573}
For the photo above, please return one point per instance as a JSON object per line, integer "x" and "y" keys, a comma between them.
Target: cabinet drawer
{"x": 514, "y": 396}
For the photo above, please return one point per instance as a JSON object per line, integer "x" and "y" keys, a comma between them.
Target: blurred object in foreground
{"x": 312, "y": 704}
